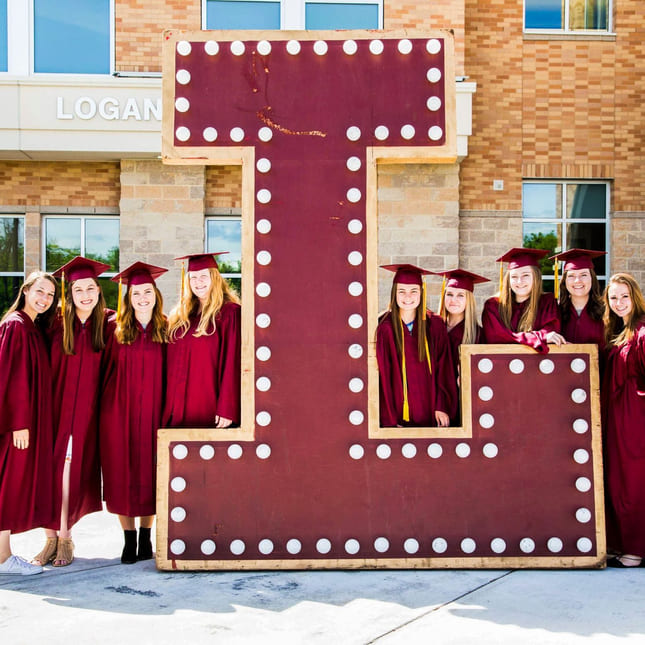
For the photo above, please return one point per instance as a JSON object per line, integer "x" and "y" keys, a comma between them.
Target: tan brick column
{"x": 32, "y": 240}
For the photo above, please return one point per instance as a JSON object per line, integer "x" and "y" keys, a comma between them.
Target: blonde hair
{"x": 507, "y": 297}
{"x": 617, "y": 332}
{"x": 126, "y": 331}
{"x": 179, "y": 318}
{"x": 470, "y": 316}
{"x": 45, "y": 319}
{"x": 97, "y": 318}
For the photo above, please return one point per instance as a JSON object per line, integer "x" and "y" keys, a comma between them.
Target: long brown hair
{"x": 397, "y": 325}
{"x": 595, "y": 305}
{"x": 126, "y": 331}
{"x": 617, "y": 332}
{"x": 507, "y": 297}
{"x": 97, "y": 318}
{"x": 44, "y": 320}
{"x": 470, "y": 316}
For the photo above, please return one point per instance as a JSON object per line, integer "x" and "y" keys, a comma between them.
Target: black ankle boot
{"x": 145, "y": 545}
{"x": 129, "y": 554}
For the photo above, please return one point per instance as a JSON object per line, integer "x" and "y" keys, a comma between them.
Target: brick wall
{"x": 223, "y": 187}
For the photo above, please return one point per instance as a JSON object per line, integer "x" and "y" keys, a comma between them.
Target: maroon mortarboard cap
{"x": 407, "y": 273}
{"x": 80, "y": 268}
{"x": 576, "y": 259}
{"x": 460, "y": 279}
{"x": 139, "y": 273}
{"x": 199, "y": 261}
{"x": 521, "y": 257}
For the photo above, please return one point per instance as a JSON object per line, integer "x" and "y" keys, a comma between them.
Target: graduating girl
{"x": 131, "y": 407}
{"x": 417, "y": 384}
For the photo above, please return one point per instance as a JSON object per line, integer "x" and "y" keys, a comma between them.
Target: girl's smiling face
{"x": 521, "y": 281}
{"x": 200, "y": 283}
{"x": 620, "y": 300}
{"x": 578, "y": 282}
{"x": 143, "y": 299}
{"x": 408, "y": 297}
{"x": 455, "y": 300}
{"x": 85, "y": 295}
{"x": 39, "y": 297}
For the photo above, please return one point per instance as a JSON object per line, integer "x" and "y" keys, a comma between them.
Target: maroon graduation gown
{"x": 427, "y": 392}
{"x": 203, "y": 374}
{"x": 26, "y": 500}
{"x": 546, "y": 320}
{"x": 131, "y": 407}
{"x": 624, "y": 429}
{"x": 583, "y": 328}
{"x": 456, "y": 337}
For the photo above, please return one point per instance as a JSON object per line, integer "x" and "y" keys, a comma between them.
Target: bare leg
{"x": 127, "y": 523}
{"x": 146, "y": 521}
{"x": 65, "y": 553}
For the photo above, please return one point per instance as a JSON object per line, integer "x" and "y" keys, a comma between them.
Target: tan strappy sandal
{"x": 65, "y": 554}
{"x": 48, "y": 553}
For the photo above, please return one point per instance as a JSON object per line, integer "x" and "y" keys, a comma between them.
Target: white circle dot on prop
{"x": 353, "y": 133}
{"x": 263, "y": 258}
{"x": 293, "y": 47}
{"x": 182, "y": 104}
{"x": 265, "y": 134}
{"x": 516, "y": 366}
{"x": 497, "y": 545}
{"x": 263, "y": 418}
{"x": 355, "y": 321}
{"x": 583, "y": 484}
{"x": 350, "y": 47}
{"x": 354, "y": 226}
{"x": 352, "y": 546}
{"x": 356, "y": 451}
{"x": 356, "y": 417}
{"x": 320, "y": 47}
{"x": 547, "y": 366}
{"x": 183, "y": 76}
{"x": 581, "y": 456}
{"x": 433, "y": 46}
{"x": 182, "y": 133}
{"x": 462, "y": 450}
{"x": 177, "y": 547}
{"x": 554, "y": 545}
{"x": 490, "y": 450}
{"x": 264, "y": 196}
{"x": 434, "y": 75}
{"x": 263, "y": 384}
{"x": 294, "y": 546}
{"x": 180, "y": 451}
{"x": 435, "y": 133}
{"x": 376, "y": 47}
{"x": 578, "y": 395}
{"x": 485, "y": 365}
{"x": 178, "y": 514}
{"x": 439, "y": 545}
{"x": 356, "y": 385}
{"x": 234, "y": 451}
{"x": 487, "y": 421}
{"x": 580, "y": 426}
{"x": 381, "y": 132}
{"x": 263, "y": 289}
{"x": 578, "y": 365}
{"x": 583, "y": 515}
{"x": 263, "y": 321}
{"x": 355, "y": 350}
{"x": 209, "y": 134}
{"x": 435, "y": 451}
{"x": 264, "y": 47}
{"x": 323, "y": 546}
{"x": 411, "y": 545}
{"x": 584, "y": 545}
{"x": 211, "y": 47}
{"x": 355, "y": 258}
{"x": 263, "y": 226}
{"x": 433, "y": 103}
{"x": 485, "y": 393}
{"x": 409, "y": 450}
{"x": 354, "y": 195}
{"x": 237, "y": 134}
{"x": 263, "y": 451}
{"x": 407, "y": 131}
{"x": 354, "y": 164}
{"x": 208, "y": 547}
{"x": 237, "y": 48}
{"x": 381, "y": 544}
{"x": 207, "y": 452}
{"x": 263, "y": 353}
{"x": 404, "y": 46}
{"x": 527, "y": 545}
{"x": 355, "y": 288}
{"x": 184, "y": 48}
{"x": 265, "y": 546}
{"x": 237, "y": 547}
{"x": 383, "y": 451}
{"x": 263, "y": 165}
{"x": 468, "y": 545}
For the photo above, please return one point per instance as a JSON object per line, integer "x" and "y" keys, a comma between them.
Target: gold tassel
{"x": 63, "y": 299}
{"x": 120, "y": 298}
{"x": 442, "y": 303}
{"x": 406, "y": 405}
{"x": 556, "y": 287}
{"x": 501, "y": 276}
{"x": 183, "y": 276}
{"x": 425, "y": 317}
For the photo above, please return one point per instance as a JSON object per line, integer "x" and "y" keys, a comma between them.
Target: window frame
{"x": 224, "y": 218}
{"x": 564, "y": 29}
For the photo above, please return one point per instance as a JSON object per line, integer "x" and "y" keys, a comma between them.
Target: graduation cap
{"x": 137, "y": 273}
{"x": 407, "y": 273}
{"x": 574, "y": 260}
{"x": 520, "y": 257}
{"x": 197, "y": 262}
{"x": 461, "y": 279}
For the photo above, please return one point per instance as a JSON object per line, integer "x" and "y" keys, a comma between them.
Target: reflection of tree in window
{"x": 12, "y": 254}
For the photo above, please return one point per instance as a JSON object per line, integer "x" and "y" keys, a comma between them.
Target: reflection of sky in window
{"x": 341, "y": 16}
{"x": 545, "y": 228}
{"x": 225, "y": 236}
{"x": 539, "y": 200}
{"x": 543, "y": 14}
{"x": 3, "y": 35}
{"x": 101, "y": 237}
{"x": 222, "y": 14}
{"x": 65, "y": 233}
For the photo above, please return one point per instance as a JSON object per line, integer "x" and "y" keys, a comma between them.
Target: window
{"x": 3, "y": 37}
{"x": 72, "y": 36}
{"x": 12, "y": 259}
{"x": 96, "y": 238}
{"x": 341, "y": 15}
{"x": 242, "y": 14}
{"x": 563, "y": 215}
{"x": 567, "y": 15}
{"x": 225, "y": 234}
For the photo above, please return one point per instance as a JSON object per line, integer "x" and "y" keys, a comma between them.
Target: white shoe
{"x": 16, "y": 566}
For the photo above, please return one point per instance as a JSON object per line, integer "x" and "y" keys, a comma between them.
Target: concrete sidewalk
{"x": 99, "y": 600}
